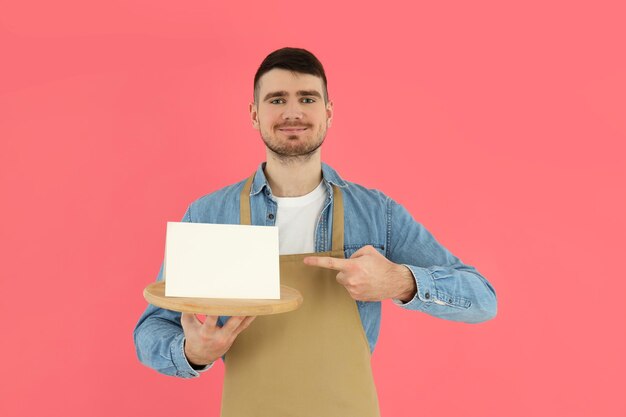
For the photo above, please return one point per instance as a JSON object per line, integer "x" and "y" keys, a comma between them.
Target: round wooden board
{"x": 290, "y": 299}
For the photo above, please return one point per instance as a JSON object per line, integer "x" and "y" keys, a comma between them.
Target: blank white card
{"x": 221, "y": 261}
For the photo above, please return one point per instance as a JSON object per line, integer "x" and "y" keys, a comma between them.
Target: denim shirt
{"x": 446, "y": 288}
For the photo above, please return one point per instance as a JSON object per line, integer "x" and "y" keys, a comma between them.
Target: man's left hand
{"x": 369, "y": 276}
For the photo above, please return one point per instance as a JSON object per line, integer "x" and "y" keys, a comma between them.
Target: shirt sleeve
{"x": 446, "y": 287}
{"x": 159, "y": 339}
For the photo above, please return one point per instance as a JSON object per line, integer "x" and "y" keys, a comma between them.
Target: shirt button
{"x": 270, "y": 216}
{"x": 427, "y": 295}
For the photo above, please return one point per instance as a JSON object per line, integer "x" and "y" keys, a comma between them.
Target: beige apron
{"x": 312, "y": 362}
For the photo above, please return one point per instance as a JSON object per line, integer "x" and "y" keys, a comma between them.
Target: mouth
{"x": 292, "y": 129}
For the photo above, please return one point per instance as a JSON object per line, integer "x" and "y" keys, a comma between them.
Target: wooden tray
{"x": 290, "y": 299}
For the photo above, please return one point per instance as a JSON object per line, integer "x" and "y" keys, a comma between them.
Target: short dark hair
{"x": 294, "y": 60}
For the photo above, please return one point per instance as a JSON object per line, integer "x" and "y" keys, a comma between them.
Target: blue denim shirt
{"x": 446, "y": 288}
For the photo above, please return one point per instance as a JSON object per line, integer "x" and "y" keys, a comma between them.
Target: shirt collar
{"x": 329, "y": 175}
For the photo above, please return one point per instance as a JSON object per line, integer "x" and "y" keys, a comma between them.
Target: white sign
{"x": 221, "y": 261}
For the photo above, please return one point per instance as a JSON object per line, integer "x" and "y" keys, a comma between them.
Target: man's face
{"x": 290, "y": 113}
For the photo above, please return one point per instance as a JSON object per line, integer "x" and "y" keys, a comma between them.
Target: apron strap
{"x": 337, "y": 220}
{"x": 244, "y": 203}
{"x": 338, "y": 223}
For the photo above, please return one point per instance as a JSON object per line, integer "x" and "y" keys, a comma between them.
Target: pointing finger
{"x": 327, "y": 262}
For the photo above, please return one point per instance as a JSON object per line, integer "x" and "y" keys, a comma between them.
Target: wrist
{"x": 194, "y": 360}
{"x": 409, "y": 288}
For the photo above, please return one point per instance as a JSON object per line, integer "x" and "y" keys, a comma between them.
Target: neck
{"x": 293, "y": 177}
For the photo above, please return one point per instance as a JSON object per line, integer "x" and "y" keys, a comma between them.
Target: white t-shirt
{"x": 296, "y": 219}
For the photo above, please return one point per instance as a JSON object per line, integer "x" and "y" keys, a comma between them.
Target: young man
{"x": 345, "y": 247}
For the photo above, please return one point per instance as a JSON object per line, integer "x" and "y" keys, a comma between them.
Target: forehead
{"x": 283, "y": 80}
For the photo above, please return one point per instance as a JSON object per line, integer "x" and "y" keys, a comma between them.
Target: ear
{"x": 254, "y": 115}
{"x": 329, "y": 113}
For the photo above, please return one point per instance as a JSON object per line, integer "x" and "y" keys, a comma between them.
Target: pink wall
{"x": 500, "y": 127}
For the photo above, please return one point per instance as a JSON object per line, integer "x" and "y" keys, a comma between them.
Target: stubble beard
{"x": 286, "y": 154}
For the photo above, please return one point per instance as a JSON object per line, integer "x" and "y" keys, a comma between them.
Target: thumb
{"x": 363, "y": 251}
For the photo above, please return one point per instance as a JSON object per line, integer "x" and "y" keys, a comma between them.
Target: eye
{"x": 277, "y": 101}
{"x": 308, "y": 100}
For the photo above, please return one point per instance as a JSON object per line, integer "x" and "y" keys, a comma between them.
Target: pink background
{"x": 500, "y": 126}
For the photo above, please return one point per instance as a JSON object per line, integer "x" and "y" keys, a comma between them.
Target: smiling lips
{"x": 292, "y": 129}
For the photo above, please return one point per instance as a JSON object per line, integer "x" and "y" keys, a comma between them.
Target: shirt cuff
{"x": 183, "y": 368}
{"x": 425, "y": 293}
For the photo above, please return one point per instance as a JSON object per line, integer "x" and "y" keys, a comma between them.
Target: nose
{"x": 292, "y": 111}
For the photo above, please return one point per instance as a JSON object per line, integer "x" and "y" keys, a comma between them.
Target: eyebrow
{"x": 300, "y": 93}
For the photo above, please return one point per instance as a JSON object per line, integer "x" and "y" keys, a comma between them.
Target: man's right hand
{"x": 206, "y": 342}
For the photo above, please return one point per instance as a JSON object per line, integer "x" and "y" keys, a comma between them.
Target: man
{"x": 345, "y": 247}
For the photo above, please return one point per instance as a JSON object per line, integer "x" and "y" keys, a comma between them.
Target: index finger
{"x": 327, "y": 262}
